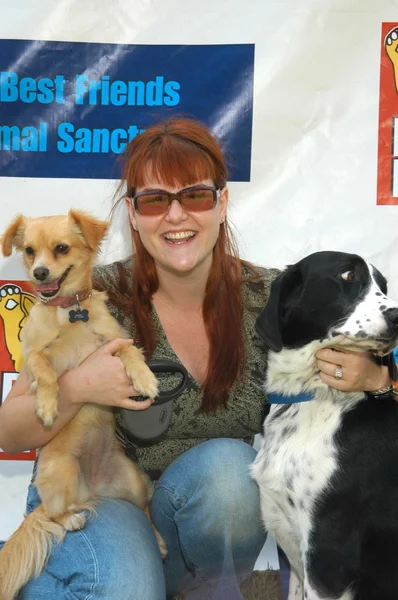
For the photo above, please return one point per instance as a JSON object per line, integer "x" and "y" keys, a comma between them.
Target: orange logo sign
{"x": 16, "y": 301}
{"x": 387, "y": 168}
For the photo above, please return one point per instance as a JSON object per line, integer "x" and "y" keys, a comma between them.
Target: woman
{"x": 184, "y": 296}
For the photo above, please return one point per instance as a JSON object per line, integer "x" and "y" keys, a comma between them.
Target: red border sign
{"x": 16, "y": 300}
{"x": 387, "y": 172}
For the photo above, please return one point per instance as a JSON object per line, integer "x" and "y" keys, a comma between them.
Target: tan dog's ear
{"x": 13, "y": 236}
{"x": 93, "y": 229}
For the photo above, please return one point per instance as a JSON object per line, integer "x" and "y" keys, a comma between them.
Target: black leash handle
{"x": 167, "y": 366}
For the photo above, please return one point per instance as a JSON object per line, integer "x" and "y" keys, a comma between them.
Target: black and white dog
{"x": 328, "y": 467}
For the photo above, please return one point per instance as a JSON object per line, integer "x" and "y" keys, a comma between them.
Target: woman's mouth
{"x": 49, "y": 289}
{"x": 179, "y": 237}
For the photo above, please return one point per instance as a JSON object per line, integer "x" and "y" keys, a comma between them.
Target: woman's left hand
{"x": 359, "y": 370}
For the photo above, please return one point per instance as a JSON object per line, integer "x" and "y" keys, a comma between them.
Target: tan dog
{"x": 84, "y": 460}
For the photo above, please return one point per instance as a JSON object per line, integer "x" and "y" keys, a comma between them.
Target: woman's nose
{"x": 175, "y": 212}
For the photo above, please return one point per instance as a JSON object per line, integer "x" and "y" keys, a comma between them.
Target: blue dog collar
{"x": 280, "y": 399}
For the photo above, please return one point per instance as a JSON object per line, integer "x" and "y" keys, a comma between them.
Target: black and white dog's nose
{"x": 391, "y": 316}
{"x": 41, "y": 273}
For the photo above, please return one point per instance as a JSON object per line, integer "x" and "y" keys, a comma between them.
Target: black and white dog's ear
{"x": 270, "y": 321}
{"x": 380, "y": 279}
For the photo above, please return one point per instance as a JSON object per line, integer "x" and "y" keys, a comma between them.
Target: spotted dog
{"x": 328, "y": 465}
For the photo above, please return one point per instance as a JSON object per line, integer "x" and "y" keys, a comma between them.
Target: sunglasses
{"x": 197, "y": 198}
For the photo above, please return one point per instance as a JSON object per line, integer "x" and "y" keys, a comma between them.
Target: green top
{"x": 190, "y": 425}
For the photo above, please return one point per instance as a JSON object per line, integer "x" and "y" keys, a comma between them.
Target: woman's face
{"x": 192, "y": 249}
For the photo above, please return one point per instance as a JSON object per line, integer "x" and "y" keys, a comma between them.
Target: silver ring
{"x": 338, "y": 374}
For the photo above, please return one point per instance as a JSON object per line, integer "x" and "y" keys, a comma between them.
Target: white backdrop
{"x": 315, "y": 130}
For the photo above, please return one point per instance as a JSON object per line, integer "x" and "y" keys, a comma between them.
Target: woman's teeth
{"x": 179, "y": 237}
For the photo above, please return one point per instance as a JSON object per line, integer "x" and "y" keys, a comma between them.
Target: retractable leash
{"x": 152, "y": 422}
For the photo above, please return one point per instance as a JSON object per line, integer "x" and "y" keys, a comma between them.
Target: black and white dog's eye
{"x": 348, "y": 275}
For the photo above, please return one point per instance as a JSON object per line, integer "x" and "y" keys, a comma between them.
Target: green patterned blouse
{"x": 190, "y": 425}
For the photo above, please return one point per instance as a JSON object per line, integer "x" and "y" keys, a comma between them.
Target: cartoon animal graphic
{"x": 391, "y": 46}
{"x": 15, "y": 305}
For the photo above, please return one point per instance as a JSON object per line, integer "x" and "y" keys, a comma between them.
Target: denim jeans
{"x": 206, "y": 507}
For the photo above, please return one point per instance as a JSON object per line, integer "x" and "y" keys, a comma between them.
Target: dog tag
{"x": 78, "y": 315}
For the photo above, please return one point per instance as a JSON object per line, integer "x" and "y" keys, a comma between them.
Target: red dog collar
{"x": 66, "y": 301}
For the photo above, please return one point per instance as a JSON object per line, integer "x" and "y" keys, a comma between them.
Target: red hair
{"x": 182, "y": 152}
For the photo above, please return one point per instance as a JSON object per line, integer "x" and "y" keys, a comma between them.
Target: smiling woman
{"x": 186, "y": 220}
{"x": 185, "y": 244}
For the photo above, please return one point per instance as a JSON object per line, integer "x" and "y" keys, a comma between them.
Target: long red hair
{"x": 182, "y": 152}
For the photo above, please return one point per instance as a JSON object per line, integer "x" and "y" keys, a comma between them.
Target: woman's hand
{"x": 101, "y": 379}
{"x": 359, "y": 370}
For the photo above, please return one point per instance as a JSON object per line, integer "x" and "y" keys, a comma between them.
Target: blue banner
{"x": 68, "y": 109}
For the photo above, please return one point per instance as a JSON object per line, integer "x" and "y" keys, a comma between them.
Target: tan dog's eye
{"x": 29, "y": 251}
{"x": 61, "y": 249}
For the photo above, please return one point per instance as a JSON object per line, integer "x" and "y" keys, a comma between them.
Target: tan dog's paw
{"x": 72, "y": 521}
{"x": 46, "y": 408}
{"x": 48, "y": 417}
{"x": 144, "y": 381}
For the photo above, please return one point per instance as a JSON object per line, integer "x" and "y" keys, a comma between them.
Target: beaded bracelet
{"x": 384, "y": 392}
{"x": 392, "y": 390}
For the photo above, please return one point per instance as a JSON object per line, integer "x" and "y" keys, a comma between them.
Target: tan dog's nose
{"x": 41, "y": 273}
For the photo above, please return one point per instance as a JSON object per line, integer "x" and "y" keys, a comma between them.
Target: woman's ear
{"x": 131, "y": 212}
{"x": 223, "y": 200}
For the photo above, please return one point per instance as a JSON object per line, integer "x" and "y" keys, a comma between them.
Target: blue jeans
{"x": 206, "y": 507}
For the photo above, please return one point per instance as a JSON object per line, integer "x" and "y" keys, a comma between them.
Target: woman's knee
{"x": 221, "y": 468}
{"x": 114, "y": 556}
{"x": 213, "y": 480}
{"x": 208, "y": 509}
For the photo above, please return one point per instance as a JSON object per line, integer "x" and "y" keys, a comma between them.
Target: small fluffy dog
{"x": 70, "y": 320}
{"x": 328, "y": 465}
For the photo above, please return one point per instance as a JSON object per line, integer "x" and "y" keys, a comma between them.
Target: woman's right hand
{"x": 102, "y": 379}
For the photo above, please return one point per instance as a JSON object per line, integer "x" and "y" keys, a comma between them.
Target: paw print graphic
{"x": 391, "y": 46}
{"x": 15, "y": 305}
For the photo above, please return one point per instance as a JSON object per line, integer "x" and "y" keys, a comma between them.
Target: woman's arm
{"x": 20, "y": 428}
{"x": 100, "y": 378}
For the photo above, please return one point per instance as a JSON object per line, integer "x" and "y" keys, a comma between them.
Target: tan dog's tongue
{"x": 50, "y": 286}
